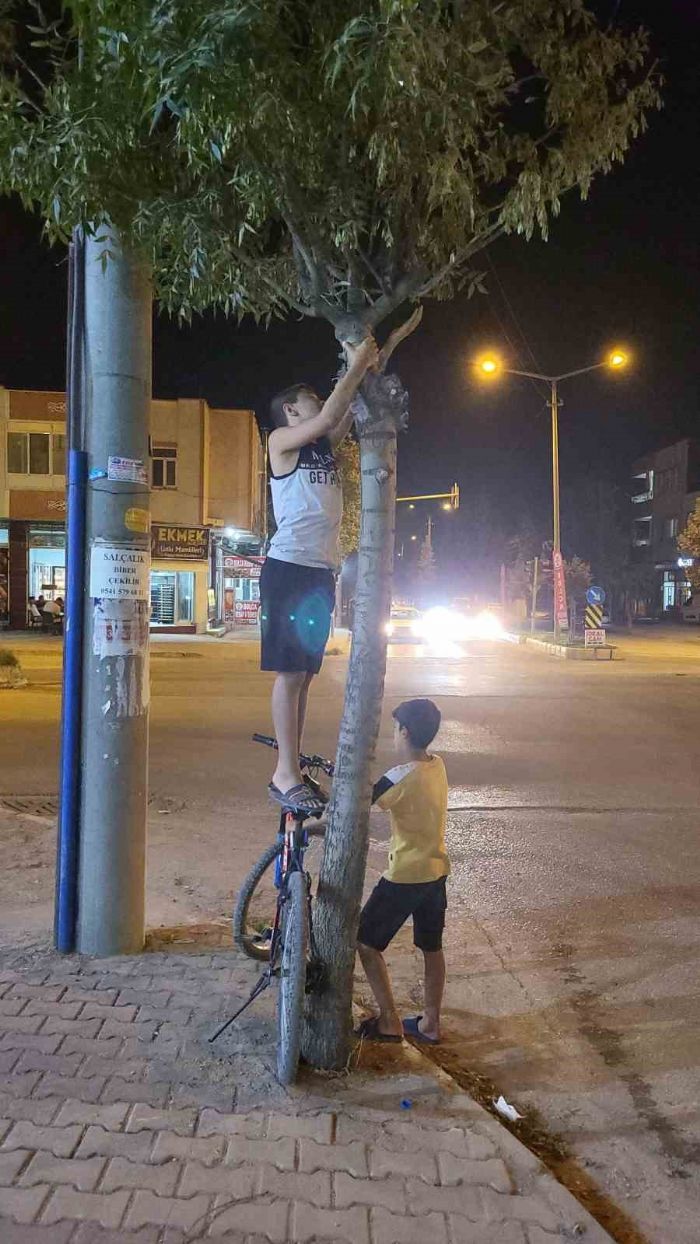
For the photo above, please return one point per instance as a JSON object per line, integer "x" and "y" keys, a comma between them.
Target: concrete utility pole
{"x": 114, "y": 741}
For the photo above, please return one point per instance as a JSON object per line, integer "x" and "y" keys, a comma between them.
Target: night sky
{"x": 622, "y": 267}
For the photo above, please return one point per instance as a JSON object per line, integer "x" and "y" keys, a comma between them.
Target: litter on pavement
{"x": 509, "y": 1112}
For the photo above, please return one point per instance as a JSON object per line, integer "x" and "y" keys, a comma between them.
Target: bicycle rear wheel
{"x": 292, "y": 984}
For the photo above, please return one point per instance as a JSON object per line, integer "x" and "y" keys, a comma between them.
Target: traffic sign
{"x": 595, "y": 596}
{"x": 594, "y": 637}
{"x": 593, "y": 617}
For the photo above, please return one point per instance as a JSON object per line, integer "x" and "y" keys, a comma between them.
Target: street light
{"x": 491, "y": 365}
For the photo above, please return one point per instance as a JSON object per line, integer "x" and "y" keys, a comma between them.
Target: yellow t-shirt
{"x": 415, "y": 796}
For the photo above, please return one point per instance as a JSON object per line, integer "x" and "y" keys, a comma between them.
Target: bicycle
{"x": 272, "y": 921}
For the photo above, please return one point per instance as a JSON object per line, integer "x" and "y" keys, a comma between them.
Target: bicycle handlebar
{"x": 307, "y": 762}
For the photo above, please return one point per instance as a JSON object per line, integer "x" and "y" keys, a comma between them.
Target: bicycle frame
{"x": 290, "y": 859}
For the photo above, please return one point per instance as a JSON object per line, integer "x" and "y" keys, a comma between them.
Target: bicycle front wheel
{"x": 254, "y": 914}
{"x": 292, "y": 985}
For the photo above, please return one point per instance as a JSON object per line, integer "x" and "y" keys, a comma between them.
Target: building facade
{"x": 665, "y": 487}
{"x": 208, "y": 488}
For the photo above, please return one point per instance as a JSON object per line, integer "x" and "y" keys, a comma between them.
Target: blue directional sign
{"x": 595, "y": 596}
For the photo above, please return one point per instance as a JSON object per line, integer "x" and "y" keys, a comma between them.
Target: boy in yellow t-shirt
{"x": 414, "y": 793}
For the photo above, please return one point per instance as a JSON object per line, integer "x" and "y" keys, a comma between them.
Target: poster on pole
{"x": 127, "y": 470}
{"x": 119, "y": 572}
{"x": 561, "y": 615}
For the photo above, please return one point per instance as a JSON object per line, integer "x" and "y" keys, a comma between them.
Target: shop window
{"x": 47, "y": 572}
{"x": 669, "y": 590}
{"x": 172, "y": 598}
{"x": 29, "y": 453}
{"x": 164, "y": 466}
{"x": 162, "y": 599}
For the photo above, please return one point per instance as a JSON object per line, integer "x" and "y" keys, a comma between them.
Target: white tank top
{"x": 308, "y": 507}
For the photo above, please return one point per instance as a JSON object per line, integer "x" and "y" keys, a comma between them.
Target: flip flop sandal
{"x": 369, "y": 1031}
{"x": 297, "y": 799}
{"x": 411, "y": 1029}
{"x": 315, "y": 787}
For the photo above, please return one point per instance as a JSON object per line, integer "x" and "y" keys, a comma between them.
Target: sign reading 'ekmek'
{"x": 183, "y": 544}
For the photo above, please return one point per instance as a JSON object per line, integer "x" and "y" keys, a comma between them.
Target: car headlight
{"x": 441, "y": 625}
{"x": 488, "y": 626}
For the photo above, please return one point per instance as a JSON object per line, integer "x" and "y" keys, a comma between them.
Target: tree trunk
{"x": 328, "y": 1029}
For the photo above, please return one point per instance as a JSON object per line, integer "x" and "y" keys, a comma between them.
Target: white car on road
{"x": 690, "y": 611}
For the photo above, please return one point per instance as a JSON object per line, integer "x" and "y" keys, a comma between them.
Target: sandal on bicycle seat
{"x": 369, "y": 1031}
{"x": 315, "y": 787}
{"x": 297, "y": 799}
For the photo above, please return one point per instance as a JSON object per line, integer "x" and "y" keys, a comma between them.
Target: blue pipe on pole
{"x": 68, "y": 826}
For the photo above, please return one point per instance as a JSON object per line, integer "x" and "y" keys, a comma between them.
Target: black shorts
{"x": 391, "y": 903}
{"x": 296, "y": 606}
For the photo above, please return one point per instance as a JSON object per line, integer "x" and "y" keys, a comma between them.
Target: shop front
{"x": 179, "y": 579}
{"x": 32, "y": 564}
{"x": 241, "y": 587}
{"x": 4, "y": 576}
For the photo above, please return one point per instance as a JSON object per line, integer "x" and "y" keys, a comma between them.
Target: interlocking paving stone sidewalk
{"x": 120, "y": 1122}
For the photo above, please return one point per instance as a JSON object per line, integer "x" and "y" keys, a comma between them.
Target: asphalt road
{"x": 574, "y": 920}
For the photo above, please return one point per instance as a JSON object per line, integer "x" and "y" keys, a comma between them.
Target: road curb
{"x": 567, "y": 653}
{"x": 530, "y": 1170}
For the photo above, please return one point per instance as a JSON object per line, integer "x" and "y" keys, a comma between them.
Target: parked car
{"x": 690, "y": 611}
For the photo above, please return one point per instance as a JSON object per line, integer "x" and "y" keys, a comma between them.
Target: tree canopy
{"x": 334, "y": 159}
{"x": 689, "y": 543}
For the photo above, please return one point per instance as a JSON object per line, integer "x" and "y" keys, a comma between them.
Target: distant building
{"x": 207, "y": 503}
{"x": 665, "y": 487}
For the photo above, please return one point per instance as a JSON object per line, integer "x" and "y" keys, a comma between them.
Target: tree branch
{"x": 397, "y": 336}
{"x": 372, "y": 270}
{"x": 482, "y": 240}
{"x": 316, "y": 279}
{"x": 406, "y": 287}
{"x": 302, "y": 307}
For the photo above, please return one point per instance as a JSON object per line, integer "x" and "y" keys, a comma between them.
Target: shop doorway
{"x": 172, "y": 598}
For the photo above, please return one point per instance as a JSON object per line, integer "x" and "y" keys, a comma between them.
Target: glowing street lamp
{"x": 490, "y": 365}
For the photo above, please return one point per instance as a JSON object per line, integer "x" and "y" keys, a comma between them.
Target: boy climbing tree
{"x": 297, "y": 584}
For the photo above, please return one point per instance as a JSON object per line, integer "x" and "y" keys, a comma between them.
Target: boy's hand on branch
{"x": 363, "y": 357}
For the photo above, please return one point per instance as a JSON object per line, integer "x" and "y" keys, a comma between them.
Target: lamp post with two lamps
{"x": 450, "y": 501}
{"x": 491, "y": 366}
